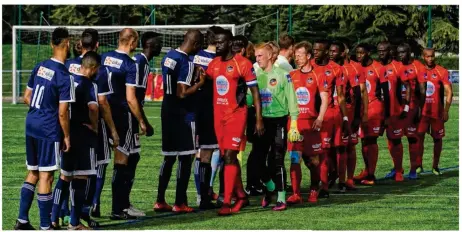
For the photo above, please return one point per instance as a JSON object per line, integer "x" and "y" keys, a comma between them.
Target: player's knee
{"x": 230, "y": 157}
{"x": 65, "y": 178}
{"x": 120, "y": 157}
{"x": 46, "y": 177}
{"x": 81, "y": 177}
{"x": 206, "y": 155}
{"x": 169, "y": 160}
{"x": 32, "y": 177}
{"x": 412, "y": 140}
{"x": 295, "y": 157}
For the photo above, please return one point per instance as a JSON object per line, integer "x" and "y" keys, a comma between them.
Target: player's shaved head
{"x": 429, "y": 51}
{"x": 404, "y": 46}
{"x": 193, "y": 40}
{"x": 429, "y": 57}
{"x": 89, "y": 40}
{"x": 364, "y": 46}
{"x": 127, "y": 35}
{"x": 341, "y": 46}
{"x": 384, "y": 52}
{"x": 403, "y": 52}
{"x": 385, "y": 44}
{"x": 60, "y": 36}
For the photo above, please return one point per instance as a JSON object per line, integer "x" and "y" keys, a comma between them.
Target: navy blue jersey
{"x": 143, "y": 72}
{"x": 51, "y": 83}
{"x": 122, "y": 72}
{"x": 202, "y": 59}
{"x": 102, "y": 78}
{"x": 85, "y": 94}
{"x": 176, "y": 68}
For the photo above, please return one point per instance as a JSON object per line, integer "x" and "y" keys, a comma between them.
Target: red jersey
{"x": 390, "y": 73}
{"x": 371, "y": 74}
{"x": 435, "y": 79}
{"x": 408, "y": 73}
{"x": 225, "y": 76}
{"x": 307, "y": 88}
{"x": 333, "y": 80}
{"x": 353, "y": 76}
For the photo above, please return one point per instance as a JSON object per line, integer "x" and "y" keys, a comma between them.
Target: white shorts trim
{"x": 190, "y": 152}
{"x": 137, "y": 150}
{"x": 121, "y": 149}
{"x": 213, "y": 146}
{"x": 48, "y": 169}
{"x": 106, "y": 161}
{"x": 66, "y": 173}
{"x": 184, "y": 83}
{"x": 32, "y": 168}
{"x": 85, "y": 173}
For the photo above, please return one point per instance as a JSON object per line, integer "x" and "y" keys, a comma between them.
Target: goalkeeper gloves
{"x": 294, "y": 134}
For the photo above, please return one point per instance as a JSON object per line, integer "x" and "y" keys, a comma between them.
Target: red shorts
{"x": 331, "y": 131}
{"x": 373, "y": 128}
{"x": 229, "y": 129}
{"x": 395, "y": 127}
{"x": 410, "y": 127}
{"x": 311, "y": 144}
{"x": 436, "y": 126}
{"x": 354, "y": 134}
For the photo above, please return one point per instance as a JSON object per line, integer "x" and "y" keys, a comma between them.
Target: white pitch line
{"x": 343, "y": 194}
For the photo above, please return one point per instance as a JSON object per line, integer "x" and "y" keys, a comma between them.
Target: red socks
{"x": 421, "y": 150}
{"x": 372, "y": 158}
{"x": 351, "y": 161}
{"x": 437, "y": 152}
{"x": 238, "y": 186}
{"x": 230, "y": 172}
{"x": 414, "y": 149}
{"x": 396, "y": 152}
{"x": 315, "y": 177}
{"x": 341, "y": 165}
{"x": 324, "y": 170}
{"x": 295, "y": 177}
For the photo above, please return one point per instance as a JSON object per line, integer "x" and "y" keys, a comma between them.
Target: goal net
{"x": 31, "y": 45}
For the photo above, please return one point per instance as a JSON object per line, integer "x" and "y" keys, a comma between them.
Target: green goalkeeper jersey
{"x": 277, "y": 93}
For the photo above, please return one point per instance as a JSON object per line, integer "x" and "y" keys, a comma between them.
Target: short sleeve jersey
{"x": 203, "y": 59}
{"x": 390, "y": 73}
{"x": 372, "y": 76}
{"x": 176, "y": 68}
{"x": 51, "y": 83}
{"x": 85, "y": 95}
{"x": 122, "y": 72}
{"x": 307, "y": 87}
{"x": 333, "y": 79}
{"x": 409, "y": 73}
{"x": 435, "y": 80}
{"x": 353, "y": 76}
{"x": 142, "y": 64}
{"x": 225, "y": 76}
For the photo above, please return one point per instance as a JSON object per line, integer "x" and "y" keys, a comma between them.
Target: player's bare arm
{"x": 135, "y": 107}
{"x": 448, "y": 91}
{"x": 27, "y": 96}
{"x": 322, "y": 111}
{"x": 184, "y": 90}
{"x": 342, "y": 104}
{"x": 93, "y": 115}
{"x": 64, "y": 122}
{"x": 365, "y": 101}
{"x": 259, "y": 128}
{"x": 386, "y": 100}
{"x": 357, "y": 107}
{"x": 105, "y": 109}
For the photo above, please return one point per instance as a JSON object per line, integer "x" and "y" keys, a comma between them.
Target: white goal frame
{"x": 15, "y": 95}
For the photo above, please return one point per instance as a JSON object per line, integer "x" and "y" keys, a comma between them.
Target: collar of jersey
{"x": 144, "y": 56}
{"x": 283, "y": 58}
{"x": 118, "y": 51}
{"x": 57, "y": 61}
{"x": 178, "y": 50}
{"x": 209, "y": 51}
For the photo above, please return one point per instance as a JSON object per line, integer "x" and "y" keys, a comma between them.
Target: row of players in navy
{"x": 77, "y": 109}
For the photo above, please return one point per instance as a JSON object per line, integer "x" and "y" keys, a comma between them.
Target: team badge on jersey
{"x": 229, "y": 69}
{"x": 357, "y": 78}
{"x": 327, "y": 73}
{"x": 289, "y": 78}
{"x": 113, "y": 62}
{"x": 390, "y": 71}
{"x": 310, "y": 80}
{"x": 170, "y": 63}
{"x": 45, "y": 73}
{"x": 273, "y": 82}
{"x": 370, "y": 72}
{"x": 434, "y": 76}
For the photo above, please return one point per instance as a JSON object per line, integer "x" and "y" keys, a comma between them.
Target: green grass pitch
{"x": 430, "y": 203}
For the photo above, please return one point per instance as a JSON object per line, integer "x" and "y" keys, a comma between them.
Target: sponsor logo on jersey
{"x": 74, "y": 69}
{"x": 236, "y": 139}
{"x": 266, "y": 97}
{"x": 273, "y": 82}
{"x": 45, "y": 73}
{"x": 430, "y": 89}
{"x": 170, "y": 63}
{"x": 113, "y": 62}
{"x": 201, "y": 60}
{"x": 229, "y": 69}
{"x": 303, "y": 96}
{"x": 222, "y": 85}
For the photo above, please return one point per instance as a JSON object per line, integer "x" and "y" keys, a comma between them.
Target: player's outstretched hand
{"x": 115, "y": 139}
{"x": 317, "y": 125}
{"x": 149, "y": 130}
{"x": 67, "y": 144}
{"x": 259, "y": 127}
{"x": 294, "y": 134}
{"x": 143, "y": 128}
{"x": 445, "y": 116}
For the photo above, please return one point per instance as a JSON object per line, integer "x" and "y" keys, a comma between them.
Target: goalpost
{"x": 34, "y": 46}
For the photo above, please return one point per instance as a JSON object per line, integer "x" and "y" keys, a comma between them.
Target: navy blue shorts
{"x": 205, "y": 127}
{"x": 81, "y": 158}
{"x": 178, "y": 134}
{"x": 42, "y": 155}
{"x": 124, "y": 125}
{"x": 103, "y": 149}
